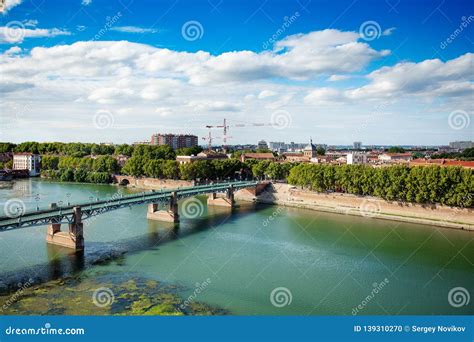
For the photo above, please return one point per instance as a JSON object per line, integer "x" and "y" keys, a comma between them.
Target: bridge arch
{"x": 124, "y": 182}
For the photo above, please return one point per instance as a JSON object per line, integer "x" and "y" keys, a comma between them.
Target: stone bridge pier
{"x": 226, "y": 201}
{"x": 74, "y": 238}
{"x": 170, "y": 214}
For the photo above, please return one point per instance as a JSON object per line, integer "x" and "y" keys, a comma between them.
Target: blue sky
{"x": 121, "y": 70}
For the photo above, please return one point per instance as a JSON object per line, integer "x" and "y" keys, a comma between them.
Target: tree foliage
{"x": 434, "y": 184}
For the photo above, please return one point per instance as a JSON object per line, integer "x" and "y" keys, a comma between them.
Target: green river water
{"x": 253, "y": 260}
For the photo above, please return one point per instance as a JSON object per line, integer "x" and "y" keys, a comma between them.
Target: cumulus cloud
{"x": 427, "y": 78}
{"x": 299, "y": 57}
{"x": 167, "y": 87}
{"x": 8, "y": 5}
{"x": 86, "y": 2}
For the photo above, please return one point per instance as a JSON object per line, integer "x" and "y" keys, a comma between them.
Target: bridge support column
{"x": 227, "y": 201}
{"x": 74, "y": 238}
{"x": 168, "y": 215}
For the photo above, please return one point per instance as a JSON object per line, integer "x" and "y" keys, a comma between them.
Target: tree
{"x": 134, "y": 166}
{"x": 170, "y": 169}
{"x": 6, "y": 147}
{"x": 153, "y": 168}
{"x": 258, "y": 170}
{"x": 187, "y": 151}
{"x": 49, "y": 162}
{"x": 396, "y": 149}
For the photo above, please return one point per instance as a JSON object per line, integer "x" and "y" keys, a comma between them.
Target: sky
{"x": 394, "y": 72}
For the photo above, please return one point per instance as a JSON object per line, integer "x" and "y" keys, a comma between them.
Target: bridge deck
{"x": 64, "y": 214}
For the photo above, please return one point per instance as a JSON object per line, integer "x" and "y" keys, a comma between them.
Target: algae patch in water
{"x": 102, "y": 295}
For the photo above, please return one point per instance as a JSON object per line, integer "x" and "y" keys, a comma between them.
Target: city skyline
{"x": 91, "y": 71}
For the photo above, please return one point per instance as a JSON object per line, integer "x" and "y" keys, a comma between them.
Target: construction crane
{"x": 209, "y": 138}
{"x": 226, "y": 127}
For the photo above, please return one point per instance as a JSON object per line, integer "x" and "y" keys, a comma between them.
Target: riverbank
{"x": 434, "y": 215}
{"x": 346, "y": 204}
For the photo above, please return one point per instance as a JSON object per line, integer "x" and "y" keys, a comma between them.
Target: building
{"x": 257, "y": 156}
{"x": 461, "y": 145}
{"x": 357, "y": 145}
{"x": 277, "y": 146}
{"x": 356, "y": 157}
{"x": 121, "y": 159}
{"x": 442, "y": 162}
{"x": 395, "y": 157}
{"x": 27, "y": 161}
{"x": 262, "y": 145}
{"x": 295, "y": 147}
{"x": 310, "y": 151}
{"x": 201, "y": 156}
{"x": 295, "y": 157}
{"x": 174, "y": 140}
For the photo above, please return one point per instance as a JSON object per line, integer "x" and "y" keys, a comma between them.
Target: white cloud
{"x": 8, "y": 5}
{"x": 168, "y": 88}
{"x": 16, "y": 32}
{"x": 299, "y": 57}
{"x": 323, "y": 96}
{"x": 388, "y": 32}
{"x": 30, "y": 22}
{"x": 335, "y": 78}
{"x": 266, "y": 93}
{"x": 133, "y": 29}
{"x": 86, "y": 2}
{"x": 14, "y": 50}
{"x": 214, "y": 106}
{"x": 429, "y": 78}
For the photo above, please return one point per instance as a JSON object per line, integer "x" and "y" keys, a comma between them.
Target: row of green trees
{"x": 83, "y": 149}
{"x": 75, "y": 169}
{"x": 434, "y": 184}
{"x": 467, "y": 154}
{"x": 147, "y": 163}
{"x": 100, "y": 164}
{"x": 205, "y": 169}
{"x": 77, "y": 175}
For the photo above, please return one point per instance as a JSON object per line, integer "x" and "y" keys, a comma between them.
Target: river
{"x": 253, "y": 260}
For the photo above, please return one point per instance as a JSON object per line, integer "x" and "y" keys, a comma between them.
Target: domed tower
{"x": 310, "y": 150}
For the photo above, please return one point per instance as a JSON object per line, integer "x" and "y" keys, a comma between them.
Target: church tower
{"x": 310, "y": 150}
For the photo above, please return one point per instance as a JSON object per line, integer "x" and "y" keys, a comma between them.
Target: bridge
{"x": 162, "y": 206}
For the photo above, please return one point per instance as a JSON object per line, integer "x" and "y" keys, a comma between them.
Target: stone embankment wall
{"x": 437, "y": 215}
{"x": 150, "y": 183}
